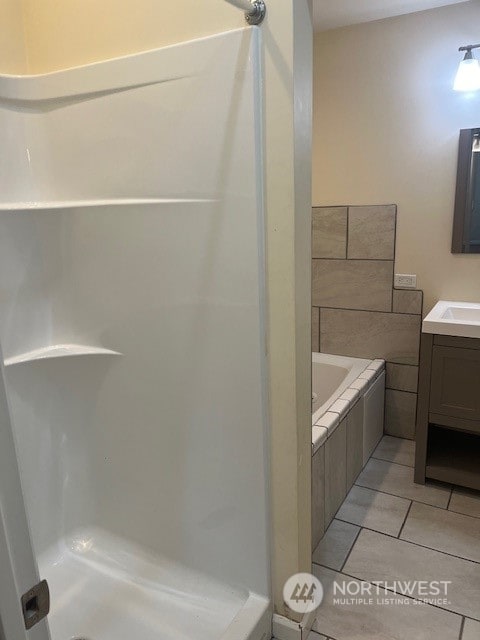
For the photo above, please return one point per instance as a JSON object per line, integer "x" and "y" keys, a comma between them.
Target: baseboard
{"x": 285, "y": 629}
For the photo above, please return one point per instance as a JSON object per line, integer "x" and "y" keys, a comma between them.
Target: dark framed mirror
{"x": 466, "y": 221}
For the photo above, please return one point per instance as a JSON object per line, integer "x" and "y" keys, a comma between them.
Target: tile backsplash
{"x": 355, "y": 309}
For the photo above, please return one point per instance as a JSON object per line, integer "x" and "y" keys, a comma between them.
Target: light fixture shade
{"x": 468, "y": 75}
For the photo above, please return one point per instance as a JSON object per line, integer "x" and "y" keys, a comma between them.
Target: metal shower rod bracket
{"x": 255, "y": 10}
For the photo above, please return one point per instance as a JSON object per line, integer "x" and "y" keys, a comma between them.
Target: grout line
{"x": 347, "y": 235}
{"x": 462, "y": 627}
{"x": 403, "y": 391}
{"x": 362, "y": 528}
{"x": 390, "y": 313}
{"x": 450, "y": 499}
{"x": 462, "y": 513}
{"x": 409, "y": 466}
{"x": 360, "y": 260}
{"x": 405, "y": 519}
{"x": 351, "y": 548}
{"x": 445, "y": 553}
{"x": 395, "y": 495}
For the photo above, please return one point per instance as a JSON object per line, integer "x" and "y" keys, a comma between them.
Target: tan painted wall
{"x": 69, "y": 33}
{"x": 62, "y": 34}
{"x": 12, "y": 40}
{"x": 386, "y": 126}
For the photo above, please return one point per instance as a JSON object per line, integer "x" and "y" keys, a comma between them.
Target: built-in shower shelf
{"x": 59, "y": 351}
{"x": 78, "y": 204}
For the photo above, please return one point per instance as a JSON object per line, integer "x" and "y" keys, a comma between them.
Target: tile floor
{"x": 390, "y": 529}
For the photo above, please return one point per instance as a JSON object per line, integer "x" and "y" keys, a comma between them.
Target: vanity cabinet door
{"x": 455, "y": 383}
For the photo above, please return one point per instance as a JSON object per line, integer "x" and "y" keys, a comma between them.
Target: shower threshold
{"x": 105, "y": 588}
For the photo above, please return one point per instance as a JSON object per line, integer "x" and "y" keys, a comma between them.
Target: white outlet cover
{"x": 405, "y": 281}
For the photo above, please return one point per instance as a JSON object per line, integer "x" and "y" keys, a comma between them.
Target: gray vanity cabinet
{"x": 448, "y": 416}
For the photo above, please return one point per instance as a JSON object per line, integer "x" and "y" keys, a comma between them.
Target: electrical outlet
{"x": 405, "y": 281}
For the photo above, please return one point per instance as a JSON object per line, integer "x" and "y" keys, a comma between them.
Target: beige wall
{"x": 12, "y": 41}
{"x": 70, "y": 33}
{"x": 386, "y": 126}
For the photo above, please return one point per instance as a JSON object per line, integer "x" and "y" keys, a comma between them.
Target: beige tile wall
{"x": 356, "y": 310}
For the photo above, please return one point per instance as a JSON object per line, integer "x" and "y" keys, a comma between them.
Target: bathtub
{"x": 331, "y": 376}
{"x": 348, "y": 399}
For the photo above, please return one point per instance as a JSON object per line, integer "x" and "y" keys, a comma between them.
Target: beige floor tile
{"x": 398, "y": 480}
{"x": 466, "y": 502}
{"x": 471, "y": 630}
{"x": 335, "y": 545}
{"x": 378, "y": 621}
{"x": 445, "y": 531}
{"x": 396, "y": 450}
{"x": 374, "y": 510}
{"x": 316, "y": 636}
{"x": 379, "y": 558}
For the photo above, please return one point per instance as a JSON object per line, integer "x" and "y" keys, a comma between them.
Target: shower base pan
{"x": 104, "y": 588}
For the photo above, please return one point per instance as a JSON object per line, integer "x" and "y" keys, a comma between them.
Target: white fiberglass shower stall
{"x": 133, "y": 434}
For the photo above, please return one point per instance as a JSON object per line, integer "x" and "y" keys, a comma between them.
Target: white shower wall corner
{"x": 132, "y": 303}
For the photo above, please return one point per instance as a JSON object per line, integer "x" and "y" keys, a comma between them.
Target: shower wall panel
{"x": 132, "y": 220}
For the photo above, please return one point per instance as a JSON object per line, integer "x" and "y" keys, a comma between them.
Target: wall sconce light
{"x": 468, "y": 74}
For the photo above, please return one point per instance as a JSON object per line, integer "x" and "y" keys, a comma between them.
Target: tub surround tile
{"x": 351, "y": 396}
{"x": 405, "y": 301}
{"x": 329, "y": 232}
{"x": 368, "y": 376}
{"x": 374, "y": 510}
{"x": 377, "y": 621}
{"x": 371, "y": 232}
{"x": 400, "y": 413}
{"x": 318, "y": 496}
{"x": 329, "y": 421}
{"x": 397, "y": 480}
{"x": 352, "y": 284}
{"x": 391, "y": 336}
{"x": 315, "y": 329}
{"x": 446, "y": 531}
{"x": 377, "y": 365}
{"x": 354, "y": 442}
{"x": 335, "y": 471}
{"x": 340, "y": 407}
{"x": 471, "y": 630}
{"x": 335, "y": 545}
{"x": 319, "y": 436}
{"x": 396, "y": 450}
{"x": 360, "y": 384}
{"x": 465, "y": 501}
{"x": 380, "y": 558}
{"x": 402, "y": 377}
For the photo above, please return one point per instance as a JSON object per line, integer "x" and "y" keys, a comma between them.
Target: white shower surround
{"x": 131, "y": 279}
